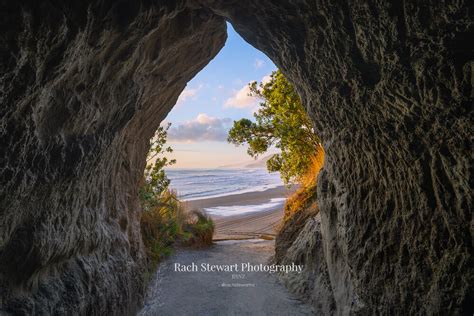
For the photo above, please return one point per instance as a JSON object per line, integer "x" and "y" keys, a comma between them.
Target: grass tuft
{"x": 167, "y": 222}
{"x": 200, "y": 229}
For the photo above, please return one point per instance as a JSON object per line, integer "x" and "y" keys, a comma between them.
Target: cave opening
{"x": 235, "y": 184}
{"x": 239, "y": 159}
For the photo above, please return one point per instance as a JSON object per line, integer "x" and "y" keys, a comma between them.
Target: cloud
{"x": 266, "y": 79}
{"x": 241, "y": 99}
{"x": 189, "y": 93}
{"x": 258, "y": 63}
{"x": 202, "y": 128}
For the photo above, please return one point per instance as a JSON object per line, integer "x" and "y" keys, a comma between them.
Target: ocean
{"x": 195, "y": 184}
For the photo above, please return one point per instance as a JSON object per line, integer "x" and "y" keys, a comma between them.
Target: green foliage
{"x": 164, "y": 220}
{"x": 155, "y": 179}
{"x": 162, "y": 224}
{"x": 281, "y": 121}
{"x": 200, "y": 230}
{"x": 168, "y": 222}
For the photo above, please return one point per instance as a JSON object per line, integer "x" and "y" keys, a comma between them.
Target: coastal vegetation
{"x": 281, "y": 121}
{"x": 165, "y": 220}
{"x": 169, "y": 223}
{"x": 198, "y": 229}
{"x": 155, "y": 181}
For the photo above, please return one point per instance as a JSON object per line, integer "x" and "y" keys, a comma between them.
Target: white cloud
{"x": 258, "y": 63}
{"x": 241, "y": 99}
{"x": 266, "y": 79}
{"x": 189, "y": 93}
{"x": 202, "y": 128}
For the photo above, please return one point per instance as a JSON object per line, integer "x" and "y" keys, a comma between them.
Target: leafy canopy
{"x": 281, "y": 121}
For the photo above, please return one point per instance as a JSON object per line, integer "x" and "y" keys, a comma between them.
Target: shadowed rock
{"x": 389, "y": 88}
{"x": 84, "y": 87}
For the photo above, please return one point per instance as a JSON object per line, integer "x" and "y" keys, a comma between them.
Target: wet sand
{"x": 258, "y": 224}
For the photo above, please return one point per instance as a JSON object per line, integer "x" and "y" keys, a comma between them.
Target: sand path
{"x": 261, "y": 224}
{"x": 246, "y": 226}
{"x": 203, "y": 293}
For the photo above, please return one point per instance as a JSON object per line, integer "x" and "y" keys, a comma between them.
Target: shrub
{"x": 161, "y": 225}
{"x": 200, "y": 229}
{"x": 167, "y": 222}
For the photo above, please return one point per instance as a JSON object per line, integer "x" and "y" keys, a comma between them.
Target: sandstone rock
{"x": 389, "y": 87}
{"x": 84, "y": 85}
{"x": 300, "y": 242}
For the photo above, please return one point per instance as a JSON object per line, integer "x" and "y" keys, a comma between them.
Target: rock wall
{"x": 388, "y": 84}
{"x": 84, "y": 85}
{"x": 299, "y": 241}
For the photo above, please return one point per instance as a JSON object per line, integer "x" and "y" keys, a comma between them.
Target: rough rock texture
{"x": 84, "y": 85}
{"x": 390, "y": 89}
{"x": 300, "y": 241}
{"x": 389, "y": 85}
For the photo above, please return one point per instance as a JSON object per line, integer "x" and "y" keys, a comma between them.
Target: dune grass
{"x": 200, "y": 229}
{"x": 166, "y": 223}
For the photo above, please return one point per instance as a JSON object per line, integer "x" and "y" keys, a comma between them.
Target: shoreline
{"x": 257, "y": 224}
{"x": 241, "y": 199}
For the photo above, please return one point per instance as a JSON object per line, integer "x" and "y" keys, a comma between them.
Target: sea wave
{"x": 247, "y": 190}
{"x": 242, "y": 209}
{"x": 195, "y": 184}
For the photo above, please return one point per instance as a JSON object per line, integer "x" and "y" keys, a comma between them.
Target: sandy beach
{"x": 251, "y": 224}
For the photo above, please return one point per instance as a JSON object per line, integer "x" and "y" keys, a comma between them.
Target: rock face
{"x": 388, "y": 84}
{"x": 300, "y": 242}
{"x": 84, "y": 86}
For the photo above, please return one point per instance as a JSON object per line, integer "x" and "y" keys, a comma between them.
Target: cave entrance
{"x": 219, "y": 178}
{"x": 225, "y": 196}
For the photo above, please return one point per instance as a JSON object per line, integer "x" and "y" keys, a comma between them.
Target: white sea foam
{"x": 253, "y": 189}
{"x": 243, "y": 209}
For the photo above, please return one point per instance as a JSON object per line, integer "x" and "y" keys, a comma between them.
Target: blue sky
{"x": 211, "y": 101}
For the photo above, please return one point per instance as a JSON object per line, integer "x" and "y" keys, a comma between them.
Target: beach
{"x": 245, "y": 215}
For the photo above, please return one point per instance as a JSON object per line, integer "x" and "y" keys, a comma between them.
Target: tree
{"x": 281, "y": 121}
{"x": 155, "y": 179}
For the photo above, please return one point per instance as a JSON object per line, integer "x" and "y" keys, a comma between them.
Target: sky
{"x": 210, "y": 103}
